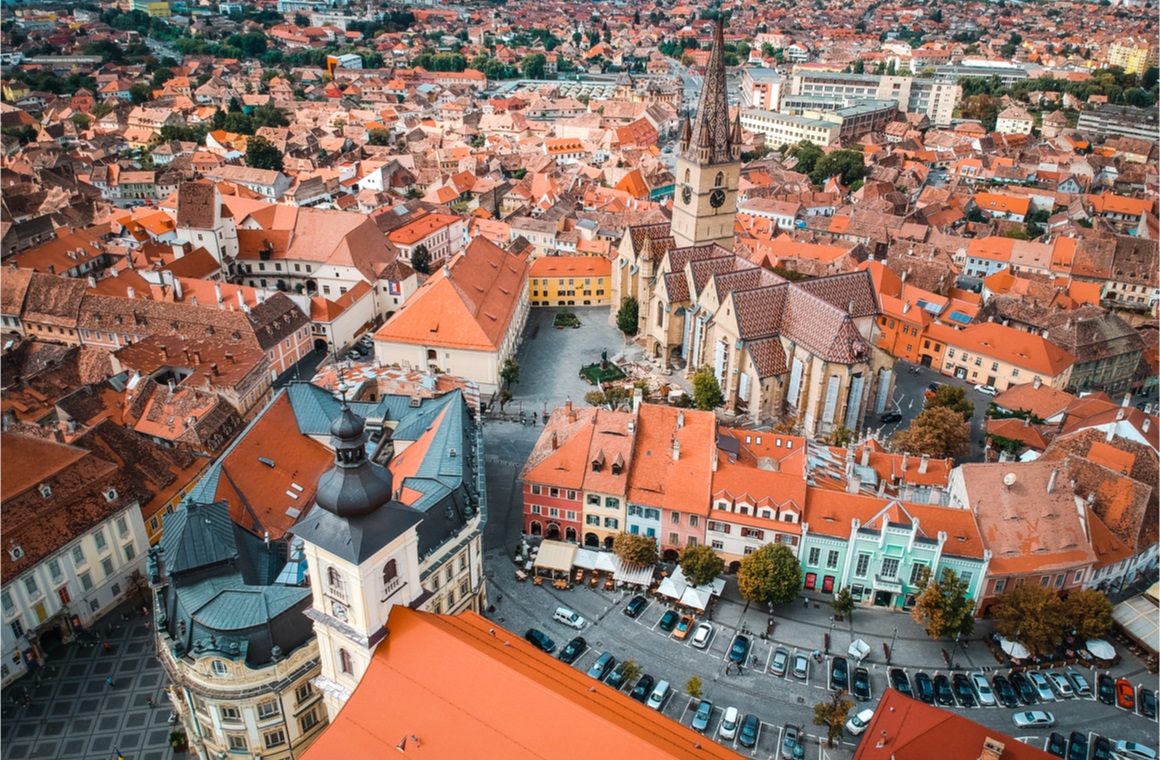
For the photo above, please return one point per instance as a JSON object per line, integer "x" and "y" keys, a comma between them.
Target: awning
{"x": 669, "y": 589}
{"x": 1014, "y": 648}
{"x": 607, "y": 562}
{"x": 697, "y": 598}
{"x": 555, "y": 555}
{"x": 585, "y": 559}
{"x": 1137, "y": 618}
{"x": 1101, "y": 649}
{"x": 636, "y": 575}
{"x": 887, "y": 584}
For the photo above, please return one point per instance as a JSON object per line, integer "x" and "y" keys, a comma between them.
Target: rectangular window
{"x": 999, "y": 586}
{"x": 594, "y": 500}
{"x": 832, "y": 559}
{"x": 308, "y": 721}
{"x": 611, "y": 522}
{"x": 275, "y": 738}
{"x": 130, "y": 552}
{"x": 572, "y": 516}
{"x": 54, "y": 570}
{"x": 994, "y": 366}
{"x": 99, "y": 540}
{"x": 675, "y": 518}
{"x": 107, "y": 566}
{"x": 1059, "y": 580}
{"x": 717, "y": 527}
{"x": 6, "y": 603}
{"x": 611, "y": 503}
{"x": 916, "y": 572}
{"x": 889, "y": 568}
{"x": 536, "y": 509}
{"x": 718, "y": 545}
{"x": 591, "y": 519}
{"x": 554, "y": 492}
{"x": 950, "y": 353}
{"x": 122, "y": 526}
{"x": 862, "y": 566}
{"x": 231, "y": 713}
{"x": 674, "y": 539}
{"x": 86, "y": 581}
{"x": 1078, "y": 576}
{"x": 31, "y": 587}
{"x": 752, "y": 533}
{"x": 268, "y": 709}
{"x": 815, "y": 556}
{"x": 536, "y": 490}
{"x": 572, "y": 495}
{"x": 965, "y": 576}
{"x": 78, "y": 555}
{"x": 693, "y": 521}
{"x": 236, "y": 742}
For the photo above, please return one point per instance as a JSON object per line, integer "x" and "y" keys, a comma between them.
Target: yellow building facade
{"x": 570, "y": 281}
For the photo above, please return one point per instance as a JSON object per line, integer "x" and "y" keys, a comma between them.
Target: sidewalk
{"x": 76, "y": 714}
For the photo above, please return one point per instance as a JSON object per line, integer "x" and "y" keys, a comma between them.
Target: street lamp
{"x": 893, "y": 638}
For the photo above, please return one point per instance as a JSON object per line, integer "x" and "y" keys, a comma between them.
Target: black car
{"x": 1057, "y": 745}
{"x": 1102, "y": 749}
{"x": 540, "y": 640}
{"x": 747, "y": 736}
{"x": 1004, "y": 691}
{"x": 573, "y": 649}
{"x": 669, "y": 621}
{"x": 862, "y": 684}
{"x": 635, "y": 606}
{"x": 1106, "y": 689}
{"x": 924, "y": 687}
{"x": 963, "y": 690}
{"x": 1147, "y": 703}
{"x": 740, "y": 649}
{"x": 1077, "y": 748}
{"x": 643, "y": 688}
{"x": 616, "y": 679}
{"x": 942, "y": 691}
{"x": 840, "y": 675}
{"x": 899, "y": 681}
{"x": 888, "y": 418}
{"x": 1023, "y": 689}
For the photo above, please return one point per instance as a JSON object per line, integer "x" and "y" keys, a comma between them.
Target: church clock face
{"x": 338, "y": 610}
{"x": 686, "y": 194}
{"x": 717, "y": 198}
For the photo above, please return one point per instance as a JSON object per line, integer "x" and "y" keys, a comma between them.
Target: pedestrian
{"x": 109, "y": 682}
{"x": 28, "y": 700}
{"x": 107, "y": 648}
{"x": 149, "y": 701}
{"x": 146, "y": 626}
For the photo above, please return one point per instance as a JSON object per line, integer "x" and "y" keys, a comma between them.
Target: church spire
{"x": 711, "y": 126}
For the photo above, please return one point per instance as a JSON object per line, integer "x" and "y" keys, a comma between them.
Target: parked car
{"x": 932, "y": 389}
{"x": 1147, "y": 703}
{"x": 684, "y": 626}
{"x": 858, "y": 723}
{"x": 1106, "y": 689}
{"x": 617, "y": 678}
{"x": 1101, "y": 748}
{"x": 740, "y": 649}
{"x": 1061, "y": 685}
{"x": 791, "y": 743}
{"x": 702, "y": 716}
{"x": 963, "y": 691}
{"x": 1004, "y": 692}
{"x": 669, "y": 621}
{"x": 643, "y": 688}
{"x": 1033, "y": 719}
{"x": 602, "y": 667}
{"x": 899, "y": 681}
{"x": 658, "y": 696}
{"x": 749, "y": 727}
{"x": 635, "y": 606}
{"x": 801, "y": 666}
{"x": 573, "y": 649}
{"x": 943, "y": 694}
{"x": 923, "y": 687}
{"x": 1056, "y": 745}
{"x": 729, "y": 722}
{"x": 987, "y": 390}
{"x": 1023, "y": 689}
{"x": 862, "y": 684}
{"x": 540, "y": 640}
{"x": 840, "y": 674}
{"x": 888, "y": 418}
{"x": 1078, "y": 683}
{"x": 982, "y": 689}
{"x": 1077, "y": 746}
{"x": 702, "y": 635}
{"x": 1133, "y": 751}
{"x": 1125, "y": 694}
{"x": 1043, "y": 690}
{"x": 780, "y": 662}
{"x": 568, "y": 618}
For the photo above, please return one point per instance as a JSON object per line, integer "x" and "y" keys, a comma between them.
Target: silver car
{"x": 983, "y": 690}
{"x": 1033, "y": 719}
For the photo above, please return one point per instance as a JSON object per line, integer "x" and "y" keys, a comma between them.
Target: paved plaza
{"x": 75, "y": 715}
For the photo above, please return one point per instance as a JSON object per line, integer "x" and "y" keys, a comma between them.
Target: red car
{"x": 1125, "y": 694}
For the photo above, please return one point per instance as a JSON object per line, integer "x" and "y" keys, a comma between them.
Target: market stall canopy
{"x": 636, "y": 575}
{"x": 1014, "y": 648}
{"x": 556, "y": 555}
{"x": 697, "y": 598}
{"x": 585, "y": 559}
{"x": 669, "y": 588}
{"x": 1137, "y": 617}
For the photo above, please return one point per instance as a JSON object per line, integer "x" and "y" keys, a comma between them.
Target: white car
{"x": 983, "y": 689}
{"x": 858, "y": 723}
{"x": 728, "y": 728}
{"x": 659, "y": 694}
{"x": 1042, "y": 687}
{"x": 988, "y": 390}
{"x": 1033, "y": 719}
{"x": 702, "y": 635}
{"x": 1133, "y": 751}
{"x": 1061, "y": 684}
{"x": 568, "y": 618}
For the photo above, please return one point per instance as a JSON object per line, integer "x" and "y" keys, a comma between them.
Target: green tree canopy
{"x": 635, "y": 548}
{"x": 261, "y": 154}
{"x": 1089, "y": 612}
{"x": 807, "y": 155}
{"x": 846, "y": 163}
{"x": 161, "y": 76}
{"x": 944, "y": 607}
{"x": 628, "y": 316}
{"x": 509, "y": 374}
{"x": 701, "y": 564}
{"x": 532, "y": 65}
{"x": 421, "y": 259}
{"x": 831, "y": 715}
{"x": 707, "y": 394}
{"x": 843, "y": 601}
{"x": 379, "y": 137}
{"x": 770, "y": 575}
{"x": 140, "y": 92}
{"x": 952, "y": 397}
{"x": 939, "y": 432}
{"x": 1031, "y": 614}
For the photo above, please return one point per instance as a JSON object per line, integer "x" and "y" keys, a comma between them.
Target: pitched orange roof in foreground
{"x": 462, "y": 691}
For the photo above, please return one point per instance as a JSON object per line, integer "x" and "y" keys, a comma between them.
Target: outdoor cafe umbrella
{"x": 1014, "y": 648}
{"x": 1101, "y": 649}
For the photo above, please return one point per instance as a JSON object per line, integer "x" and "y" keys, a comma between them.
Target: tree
{"x": 301, "y": 20}
{"x": 847, "y": 163}
{"x": 1017, "y": 233}
{"x": 843, "y": 601}
{"x": 628, "y": 316}
{"x": 379, "y": 137}
{"x": 505, "y": 398}
{"x": 700, "y": 564}
{"x": 509, "y": 373}
{"x": 630, "y": 670}
{"x": 706, "y": 391}
{"x": 1089, "y": 611}
{"x": 841, "y": 437}
{"x": 944, "y": 607}
{"x": 532, "y": 66}
{"x": 140, "y": 92}
{"x": 161, "y": 76}
{"x": 770, "y": 575}
{"x": 693, "y": 687}
{"x": 807, "y": 155}
{"x": 635, "y": 548}
{"x": 831, "y": 715}
{"x": 261, "y": 154}
{"x": 421, "y": 259}
{"x": 1031, "y": 614}
{"x": 81, "y": 121}
{"x": 952, "y": 397}
{"x": 938, "y": 432}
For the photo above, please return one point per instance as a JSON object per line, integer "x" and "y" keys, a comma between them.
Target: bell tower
{"x": 709, "y": 163}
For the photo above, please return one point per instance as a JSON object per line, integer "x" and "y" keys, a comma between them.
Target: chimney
{"x": 680, "y": 419}
{"x": 241, "y": 299}
{"x": 568, "y": 411}
{"x": 230, "y": 358}
{"x": 131, "y": 293}
{"x": 1052, "y": 478}
{"x": 92, "y": 281}
{"x": 849, "y": 461}
{"x": 992, "y": 749}
{"x": 164, "y": 353}
{"x": 1147, "y": 424}
{"x": 1036, "y": 383}
{"x": 193, "y": 299}
{"x": 217, "y": 290}
{"x": 196, "y": 357}
{"x": 923, "y": 464}
{"x": 172, "y": 386}
{"x": 1111, "y": 434}
{"x": 555, "y": 442}
{"x": 637, "y": 399}
{"x": 865, "y": 455}
{"x": 905, "y": 307}
{"x": 177, "y": 292}
{"x": 214, "y": 368}
{"x": 676, "y": 450}
{"x": 905, "y": 462}
{"x": 854, "y": 484}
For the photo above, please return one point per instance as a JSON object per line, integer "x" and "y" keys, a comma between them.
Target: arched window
{"x": 688, "y": 176}
{"x": 432, "y": 355}
{"x": 345, "y": 662}
{"x": 334, "y": 581}
{"x": 720, "y": 179}
{"x": 390, "y": 573}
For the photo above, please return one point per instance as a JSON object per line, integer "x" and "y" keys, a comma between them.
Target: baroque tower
{"x": 709, "y": 163}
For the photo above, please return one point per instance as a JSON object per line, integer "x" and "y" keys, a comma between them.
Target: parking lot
{"x": 781, "y": 700}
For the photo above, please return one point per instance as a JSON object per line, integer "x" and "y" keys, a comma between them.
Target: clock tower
{"x": 709, "y": 163}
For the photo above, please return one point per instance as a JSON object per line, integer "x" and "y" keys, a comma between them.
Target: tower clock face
{"x": 717, "y": 198}
{"x": 686, "y": 194}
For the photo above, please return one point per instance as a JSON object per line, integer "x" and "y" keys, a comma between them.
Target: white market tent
{"x": 636, "y": 575}
{"x": 697, "y": 597}
{"x": 1138, "y": 618}
{"x": 556, "y": 556}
